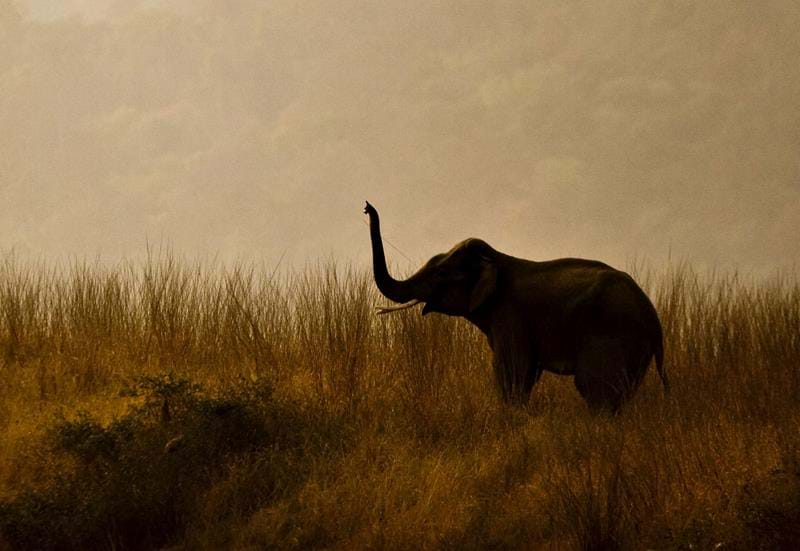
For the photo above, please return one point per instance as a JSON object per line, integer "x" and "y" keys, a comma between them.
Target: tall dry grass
{"x": 381, "y": 432}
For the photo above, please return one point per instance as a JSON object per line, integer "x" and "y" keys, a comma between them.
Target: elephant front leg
{"x": 516, "y": 374}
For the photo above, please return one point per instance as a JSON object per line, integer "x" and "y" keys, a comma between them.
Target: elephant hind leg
{"x": 607, "y": 372}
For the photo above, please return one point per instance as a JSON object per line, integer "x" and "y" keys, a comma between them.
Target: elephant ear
{"x": 485, "y": 286}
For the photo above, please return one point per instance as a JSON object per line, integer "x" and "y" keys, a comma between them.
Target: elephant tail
{"x": 656, "y": 340}
{"x": 658, "y": 353}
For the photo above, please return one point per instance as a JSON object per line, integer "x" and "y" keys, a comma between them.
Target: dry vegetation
{"x": 305, "y": 421}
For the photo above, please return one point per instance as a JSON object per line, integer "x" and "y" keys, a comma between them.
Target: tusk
{"x": 390, "y": 309}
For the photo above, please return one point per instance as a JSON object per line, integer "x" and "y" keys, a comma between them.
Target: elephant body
{"x": 569, "y": 316}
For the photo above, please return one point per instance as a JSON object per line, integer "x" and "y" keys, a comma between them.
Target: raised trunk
{"x": 394, "y": 290}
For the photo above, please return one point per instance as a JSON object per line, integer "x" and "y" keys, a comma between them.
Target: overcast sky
{"x": 253, "y": 129}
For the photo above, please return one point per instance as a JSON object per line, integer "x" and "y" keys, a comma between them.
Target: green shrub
{"x": 137, "y": 482}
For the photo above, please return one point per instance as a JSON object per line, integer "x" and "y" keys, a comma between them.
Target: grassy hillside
{"x": 184, "y": 405}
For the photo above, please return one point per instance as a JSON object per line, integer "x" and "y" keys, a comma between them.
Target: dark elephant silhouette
{"x": 568, "y": 316}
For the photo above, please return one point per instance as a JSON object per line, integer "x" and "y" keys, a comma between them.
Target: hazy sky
{"x": 250, "y": 129}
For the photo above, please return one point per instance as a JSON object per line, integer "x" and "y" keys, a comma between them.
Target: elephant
{"x": 567, "y": 316}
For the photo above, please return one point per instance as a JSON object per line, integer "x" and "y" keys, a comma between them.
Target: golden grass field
{"x": 298, "y": 419}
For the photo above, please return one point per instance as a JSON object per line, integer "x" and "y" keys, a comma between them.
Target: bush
{"x": 136, "y": 482}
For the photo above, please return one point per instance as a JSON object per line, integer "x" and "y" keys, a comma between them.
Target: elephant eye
{"x": 442, "y": 271}
{"x": 449, "y": 273}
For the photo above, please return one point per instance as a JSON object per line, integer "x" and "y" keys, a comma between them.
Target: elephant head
{"x": 458, "y": 283}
